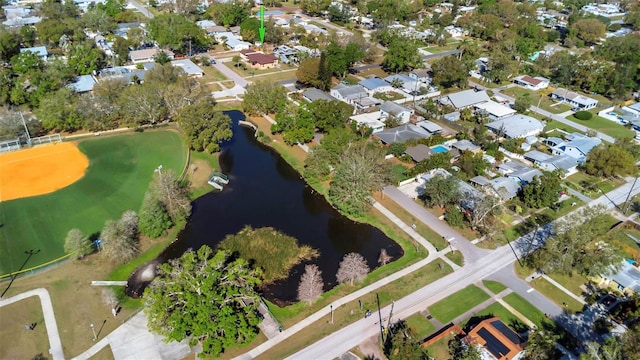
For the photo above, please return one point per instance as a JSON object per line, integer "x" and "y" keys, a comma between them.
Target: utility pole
{"x": 29, "y": 254}
{"x": 626, "y": 201}
{"x": 388, "y": 331}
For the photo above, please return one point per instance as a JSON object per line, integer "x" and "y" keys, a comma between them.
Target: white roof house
{"x": 189, "y": 67}
{"x": 147, "y": 55}
{"x": 371, "y": 120}
{"x": 494, "y": 110}
{"x": 348, "y": 93}
{"x": 389, "y": 108}
{"x": 578, "y": 148}
{"x": 516, "y": 126}
{"x": 466, "y": 98}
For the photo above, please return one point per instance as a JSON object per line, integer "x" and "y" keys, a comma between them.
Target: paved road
{"x": 55, "y": 345}
{"x": 559, "y": 118}
{"x": 470, "y": 252}
{"x": 440, "y": 54}
{"x": 141, "y": 8}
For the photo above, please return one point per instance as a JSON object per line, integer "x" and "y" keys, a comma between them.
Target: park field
{"x": 119, "y": 172}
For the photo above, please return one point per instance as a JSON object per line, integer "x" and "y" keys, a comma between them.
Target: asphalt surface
{"x": 440, "y": 54}
{"x": 141, "y": 8}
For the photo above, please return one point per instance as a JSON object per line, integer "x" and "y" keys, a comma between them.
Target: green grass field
{"x": 458, "y": 303}
{"x": 120, "y": 169}
{"x": 603, "y": 125}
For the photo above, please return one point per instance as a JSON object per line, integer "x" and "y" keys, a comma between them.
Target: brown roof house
{"x": 496, "y": 340}
{"x": 262, "y": 61}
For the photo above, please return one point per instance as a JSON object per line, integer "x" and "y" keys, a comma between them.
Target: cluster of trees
{"x": 578, "y": 245}
{"x": 402, "y": 344}
{"x": 166, "y": 203}
{"x": 336, "y": 59}
{"x": 298, "y": 124}
{"x": 263, "y": 97}
{"x": 613, "y": 159}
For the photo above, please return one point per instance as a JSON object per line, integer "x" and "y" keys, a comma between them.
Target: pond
{"x": 265, "y": 191}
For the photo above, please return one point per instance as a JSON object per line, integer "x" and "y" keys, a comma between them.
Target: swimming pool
{"x": 439, "y": 149}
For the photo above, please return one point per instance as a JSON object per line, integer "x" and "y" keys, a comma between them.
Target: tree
{"x": 207, "y": 297}
{"x": 384, "y": 258}
{"x": 120, "y": 241}
{"x": 9, "y": 44}
{"x": 402, "y": 344}
{"x": 542, "y": 191}
{"x": 314, "y": 7}
{"x": 339, "y": 14}
{"x": 541, "y": 345}
{"x": 397, "y": 149}
{"x": 401, "y": 55}
{"x": 353, "y": 267}
{"x": 308, "y": 73}
{"x": 231, "y": 13}
{"x": 610, "y": 349}
{"x": 176, "y": 32}
{"x": 577, "y": 247}
{"x": 522, "y": 103}
{"x": 296, "y": 123}
{"x": 85, "y": 57}
{"x": 172, "y": 194}
{"x": 249, "y": 29}
{"x": 360, "y": 171}
{"x": 263, "y": 97}
{"x": 78, "y": 243}
{"x": 161, "y": 57}
{"x": 109, "y": 298}
{"x": 154, "y": 218}
{"x": 454, "y": 216}
{"x": 330, "y": 114}
{"x": 204, "y": 127}
{"x": 143, "y": 104}
{"x": 610, "y": 160}
{"x": 440, "y": 190}
{"x": 98, "y": 20}
{"x": 311, "y": 284}
{"x": 448, "y": 72}
{"x": 589, "y": 30}
{"x": 460, "y": 351}
{"x": 58, "y": 111}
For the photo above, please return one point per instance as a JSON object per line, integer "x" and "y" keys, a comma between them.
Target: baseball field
{"x": 48, "y": 190}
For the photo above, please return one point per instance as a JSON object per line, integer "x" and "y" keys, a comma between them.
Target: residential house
{"x": 189, "y": 67}
{"x": 420, "y": 152}
{"x": 420, "y": 75}
{"x": 633, "y": 108}
{"x": 606, "y": 10}
{"x": 18, "y": 16}
{"x": 375, "y": 85}
{"x": 502, "y": 187}
{"x": 466, "y": 145}
{"x": 402, "y": 133}
{"x": 465, "y": 99}
{"x": 391, "y": 109}
{"x": 454, "y": 116}
{"x": 41, "y": 51}
{"x": 494, "y": 110}
{"x": 531, "y": 83}
{"x": 348, "y": 93}
{"x": 407, "y": 84}
{"x": 565, "y": 163}
{"x": 365, "y": 103}
{"x": 627, "y": 279}
{"x": 525, "y": 175}
{"x": 84, "y": 5}
{"x": 262, "y": 61}
{"x": 496, "y": 340}
{"x": 578, "y": 148}
{"x": 574, "y": 99}
{"x": 508, "y": 167}
{"x": 127, "y": 75}
{"x": 516, "y": 126}
{"x": 148, "y": 55}
{"x": 430, "y": 126}
{"x": 313, "y": 94}
{"x": 122, "y": 29}
{"x": 232, "y": 41}
{"x": 371, "y": 120}
{"x": 83, "y": 83}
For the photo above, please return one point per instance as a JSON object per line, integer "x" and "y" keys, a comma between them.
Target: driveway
{"x": 470, "y": 251}
{"x": 230, "y": 74}
{"x": 143, "y": 10}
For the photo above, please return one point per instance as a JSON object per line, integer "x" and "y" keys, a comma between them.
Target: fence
{"x": 46, "y": 139}
{"x": 10, "y": 145}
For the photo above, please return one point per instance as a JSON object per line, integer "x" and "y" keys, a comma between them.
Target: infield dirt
{"x": 40, "y": 170}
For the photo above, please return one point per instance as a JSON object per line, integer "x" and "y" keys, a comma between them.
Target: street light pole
{"x": 29, "y": 254}
{"x": 331, "y": 306}
{"x": 93, "y": 330}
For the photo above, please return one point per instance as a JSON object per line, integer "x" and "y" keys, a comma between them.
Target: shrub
{"x": 583, "y": 115}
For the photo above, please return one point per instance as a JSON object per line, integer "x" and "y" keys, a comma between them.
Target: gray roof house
{"x": 402, "y": 133}
{"x": 578, "y": 148}
{"x": 627, "y": 278}
{"x": 420, "y": 152}
{"x": 465, "y": 99}
{"x": 574, "y": 99}
{"x": 374, "y": 85}
{"x": 565, "y": 163}
{"x": 402, "y": 113}
{"x": 313, "y": 94}
{"x": 524, "y": 176}
{"x": 508, "y": 167}
{"x": 516, "y": 126}
{"x": 348, "y": 93}
{"x": 466, "y": 145}
{"x": 83, "y": 84}
{"x": 503, "y": 187}
{"x": 536, "y": 156}
{"x": 430, "y": 126}
{"x": 189, "y": 67}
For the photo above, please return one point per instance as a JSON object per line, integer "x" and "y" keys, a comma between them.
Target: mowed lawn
{"x": 120, "y": 169}
{"x": 458, "y": 303}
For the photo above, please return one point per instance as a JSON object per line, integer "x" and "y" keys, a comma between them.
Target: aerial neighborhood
{"x": 320, "y": 179}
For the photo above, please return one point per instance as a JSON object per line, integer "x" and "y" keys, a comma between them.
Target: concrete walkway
{"x": 230, "y": 74}
{"x": 55, "y": 345}
{"x": 133, "y": 341}
{"x": 564, "y": 289}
